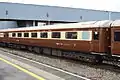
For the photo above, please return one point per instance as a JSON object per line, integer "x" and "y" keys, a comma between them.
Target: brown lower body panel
{"x": 74, "y": 45}
{"x": 115, "y": 48}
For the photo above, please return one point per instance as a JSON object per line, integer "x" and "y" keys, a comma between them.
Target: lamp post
{"x": 109, "y": 14}
{"x": 47, "y": 15}
{"x": 6, "y": 13}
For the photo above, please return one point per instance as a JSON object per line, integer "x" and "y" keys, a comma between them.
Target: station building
{"x": 25, "y": 15}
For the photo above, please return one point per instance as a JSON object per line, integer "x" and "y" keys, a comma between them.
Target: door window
{"x": 96, "y": 35}
{"x": 116, "y": 36}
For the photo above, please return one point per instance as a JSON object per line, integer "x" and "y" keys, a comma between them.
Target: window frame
{"x": 18, "y": 34}
{"x": 52, "y": 34}
{"x": 27, "y": 34}
{"x": 69, "y": 34}
{"x": 36, "y": 34}
{"x": 89, "y": 35}
{"x": 14, "y": 34}
{"x": 41, "y": 36}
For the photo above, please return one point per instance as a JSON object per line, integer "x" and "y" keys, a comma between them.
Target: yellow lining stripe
{"x": 22, "y": 69}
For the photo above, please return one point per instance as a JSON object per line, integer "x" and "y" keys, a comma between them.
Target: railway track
{"x": 106, "y": 69}
{"x": 105, "y": 62}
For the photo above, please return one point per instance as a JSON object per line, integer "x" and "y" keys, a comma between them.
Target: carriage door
{"x": 95, "y": 41}
{"x": 105, "y": 40}
{"x": 115, "y": 43}
{"x": 101, "y": 40}
{"x": 109, "y": 40}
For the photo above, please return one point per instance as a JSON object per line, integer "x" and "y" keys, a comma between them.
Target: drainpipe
{"x": 109, "y": 15}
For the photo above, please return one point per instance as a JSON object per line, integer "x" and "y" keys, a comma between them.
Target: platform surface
{"x": 8, "y": 72}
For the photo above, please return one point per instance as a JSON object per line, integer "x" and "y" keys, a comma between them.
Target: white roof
{"x": 89, "y": 24}
{"x": 116, "y": 23}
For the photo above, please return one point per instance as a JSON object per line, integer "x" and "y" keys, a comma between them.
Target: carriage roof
{"x": 89, "y": 24}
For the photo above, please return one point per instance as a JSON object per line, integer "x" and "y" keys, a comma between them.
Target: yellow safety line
{"x": 22, "y": 69}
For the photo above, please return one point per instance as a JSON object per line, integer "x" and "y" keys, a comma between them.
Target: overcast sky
{"x": 110, "y": 5}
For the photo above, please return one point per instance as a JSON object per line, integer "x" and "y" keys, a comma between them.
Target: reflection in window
{"x": 71, "y": 35}
{"x": 26, "y": 34}
{"x": 13, "y": 34}
{"x": 116, "y": 36}
{"x": 96, "y": 35}
{"x": 86, "y": 35}
{"x": 33, "y": 34}
{"x": 55, "y": 34}
{"x": 43, "y": 35}
{"x": 19, "y": 35}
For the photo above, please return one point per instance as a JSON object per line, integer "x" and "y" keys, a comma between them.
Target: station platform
{"x": 14, "y": 67}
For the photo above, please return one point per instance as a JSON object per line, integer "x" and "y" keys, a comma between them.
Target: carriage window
{"x": 71, "y": 35}
{"x": 85, "y": 35}
{"x": 19, "y": 35}
{"x": 116, "y": 36}
{"x": 26, "y": 34}
{"x": 96, "y": 35}
{"x": 55, "y": 34}
{"x": 33, "y": 34}
{"x": 13, "y": 34}
{"x": 43, "y": 35}
{"x": 5, "y": 34}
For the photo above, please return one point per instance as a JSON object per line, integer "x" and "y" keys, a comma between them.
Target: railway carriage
{"x": 91, "y": 41}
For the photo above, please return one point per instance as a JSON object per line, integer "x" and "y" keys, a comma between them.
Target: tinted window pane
{"x": 33, "y": 34}
{"x": 71, "y": 35}
{"x": 116, "y": 36}
{"x": 5, "y": 34}
{"x": 26, "y": 34}
{"x": 19, "y": 34}
{"x": 96, "y": 35}
{"x": 13, "y": 34}
{"x": 55, "y": 34}
{"x": 85, "y": 35}
{"x": 44, "y": 35}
